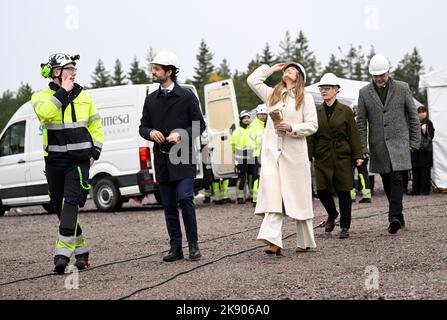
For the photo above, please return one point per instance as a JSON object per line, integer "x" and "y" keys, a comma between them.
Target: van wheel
{"x": 157, "y": 196}
{"x": 106, "y": 196}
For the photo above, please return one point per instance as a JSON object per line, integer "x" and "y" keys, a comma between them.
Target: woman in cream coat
{"x": 285, "y": 182}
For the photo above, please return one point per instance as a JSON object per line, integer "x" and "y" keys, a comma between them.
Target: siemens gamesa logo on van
{"x": 116, "y": 120}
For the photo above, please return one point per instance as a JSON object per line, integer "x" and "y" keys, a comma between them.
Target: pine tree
{"x": 8, "y": 106}
{"x": 369, "y": 56}
{"x": 204, "y": 68}
{"x": 119, "y": 77}
{"x": 224, "y": 69}
{"x": 267, "y": 56}
{"x": 409, "y": 70}
{"x": 353, "y": 63}
{"x": 137, "y": 75}
{"x": 24, "y": 94}
{"x": 287, "y": 48}
{"x": 101, "y": 77}
{"x": 150, "y": 55}
{"x": 307, "y": 58}
{"x": 334, "y": 66}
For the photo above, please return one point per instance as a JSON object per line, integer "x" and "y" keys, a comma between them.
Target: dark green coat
{"x": 335, "y": 147}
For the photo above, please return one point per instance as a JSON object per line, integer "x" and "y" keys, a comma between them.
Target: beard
{"x": 159, "y": 80}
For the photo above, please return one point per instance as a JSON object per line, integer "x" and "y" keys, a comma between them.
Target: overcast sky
{"x": 234, "y": 29}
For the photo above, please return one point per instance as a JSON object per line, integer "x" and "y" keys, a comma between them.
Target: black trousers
{"x": 244, "y": 169}
{"x": 67, "y": 194}
{"x": 421, "y": 180}
{"x": 394, "y": 190}
{"x": 345, "y": 204}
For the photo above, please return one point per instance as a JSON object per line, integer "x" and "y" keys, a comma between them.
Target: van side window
{"x": 13, "y": 141}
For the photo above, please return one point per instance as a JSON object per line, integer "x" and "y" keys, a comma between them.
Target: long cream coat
{"x": 285, "y": 170}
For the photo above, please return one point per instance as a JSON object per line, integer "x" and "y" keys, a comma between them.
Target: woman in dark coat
{"x": 422, "y": 159}
{"x": 335, "y": 147}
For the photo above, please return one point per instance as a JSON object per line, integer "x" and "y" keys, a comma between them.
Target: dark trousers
{"x": 345, "y": 204}
{"x": 421, "y": 180}
{"x": 363, "y": 170}
{"x": 243, "y": 171}
{"x": 394, "y": 190}
{"x": 179, "y": 193}
{"x": 67, "y": 194}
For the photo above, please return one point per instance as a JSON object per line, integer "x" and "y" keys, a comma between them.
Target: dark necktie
{"x": 164, "y": 91}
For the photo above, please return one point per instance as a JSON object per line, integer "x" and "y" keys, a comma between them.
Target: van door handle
{"x": 21, "y": 161}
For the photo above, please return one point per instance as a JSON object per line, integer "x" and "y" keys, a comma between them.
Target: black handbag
{"x": 426, "y": 142}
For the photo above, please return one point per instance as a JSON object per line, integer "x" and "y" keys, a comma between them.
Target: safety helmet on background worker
{"x": 244, "y": 113}
{"x": 261, "y": 109}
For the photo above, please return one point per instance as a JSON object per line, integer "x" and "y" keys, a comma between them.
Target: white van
{"x": 125, "y": 169}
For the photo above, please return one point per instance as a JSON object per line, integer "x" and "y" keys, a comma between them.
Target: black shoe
{"x": 414, "y": 193}
{"x": 365, "y": 200}
{"x": 194, "y": 252}
{"x": 174, "y": 254}
{"x": 254, "y": 204}
{"x": 60, "y": 263}
{"x": 207, "y": 200}
{"x": 353, "y": 200}
{"x": 330, "y": 224}
{"x": 395, "y": 225}
{"x": 240, "y": 201}
{"x": 344, "y": 234}
{"x": 82, "y": 261}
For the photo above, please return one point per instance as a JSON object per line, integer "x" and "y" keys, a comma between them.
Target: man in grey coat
{"x": 388, "y": 120}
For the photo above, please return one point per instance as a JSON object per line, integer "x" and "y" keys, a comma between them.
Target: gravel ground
{"x": 127, "y": 249}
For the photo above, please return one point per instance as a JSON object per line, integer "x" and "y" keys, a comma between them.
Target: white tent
{"x": 349, "y": 92}
{"x": 436, "y": 84}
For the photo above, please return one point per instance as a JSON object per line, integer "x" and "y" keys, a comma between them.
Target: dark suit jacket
{"x": 176, "y": 112}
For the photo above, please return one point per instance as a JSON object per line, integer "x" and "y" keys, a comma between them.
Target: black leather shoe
{"x": 60, "y": 263}
{"x": 395, "y": 225}
{"x": 330, "y": 224}
{"x": 344, "y": 234}
{"x": 194, "y": 252}
{"x": 173, "y": 255}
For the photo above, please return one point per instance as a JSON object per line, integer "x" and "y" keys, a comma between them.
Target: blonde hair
{"x": 298, "y": 91}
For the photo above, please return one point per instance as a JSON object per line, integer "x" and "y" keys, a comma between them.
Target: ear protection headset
{"x": 47, "y": 67}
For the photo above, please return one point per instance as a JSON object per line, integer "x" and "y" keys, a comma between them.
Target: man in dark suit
{"x": 387, "y": 107}
{"x": 172, "y": 120}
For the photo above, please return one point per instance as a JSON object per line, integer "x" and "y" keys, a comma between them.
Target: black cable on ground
{"x": 206, "y": 241}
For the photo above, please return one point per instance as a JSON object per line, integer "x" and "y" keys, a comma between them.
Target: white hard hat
{"x": 166, "y": 58}
{"x": 329, "y": 79}
{"x": 298, "y": 66}
{"x": 57, "y": 60}
{"x": 261, "y": 108}
{"x": 379, "y": 65}
{"x": 243, "y": 114}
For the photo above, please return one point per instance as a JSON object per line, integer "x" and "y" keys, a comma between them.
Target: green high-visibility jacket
{"x": 72, "y": 126}
{"x": 257, "y": 128}
{"x": 242, "y": 143}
